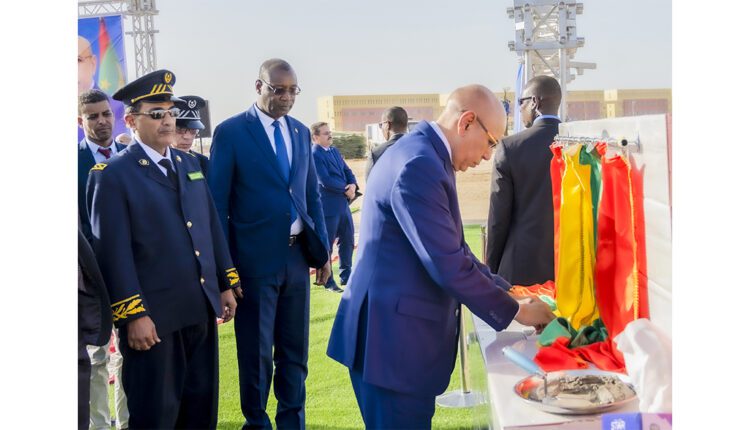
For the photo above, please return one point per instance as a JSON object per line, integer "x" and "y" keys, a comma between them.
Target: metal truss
{"x": 142, "y": 13}
{"x": 546, "y": 40}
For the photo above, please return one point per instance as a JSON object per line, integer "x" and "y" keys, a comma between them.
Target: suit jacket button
{"x": 203, "y": 281}
{"x": 456, "y": 311}
{"x": 189, "y": 224}
{"x": 197, "y": 253}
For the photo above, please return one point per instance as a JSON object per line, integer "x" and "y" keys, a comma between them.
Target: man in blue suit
{"x": 96, "y": 119}
{"x": 165, "y": 262}
{"x": 337, "y": 186}
{"x": 397, "y": 324}
{"x": 265, "y": 187}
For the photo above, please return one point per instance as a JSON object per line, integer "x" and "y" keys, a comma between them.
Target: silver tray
{"x": 526, "y": 386}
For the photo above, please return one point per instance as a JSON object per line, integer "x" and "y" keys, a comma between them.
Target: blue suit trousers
{"x": 272, "y": 331}
{"x": 341, "y": 226}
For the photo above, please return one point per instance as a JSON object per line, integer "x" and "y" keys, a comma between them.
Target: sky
{"x": 343, "y": 47}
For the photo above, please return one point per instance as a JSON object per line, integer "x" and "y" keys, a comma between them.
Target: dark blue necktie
{"x": 283, "y": 159}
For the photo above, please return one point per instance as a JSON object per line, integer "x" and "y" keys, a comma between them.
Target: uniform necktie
{"x": 283, "y": 159}
{"x": 106, "y": 152}
{"x": 167, "y": 164}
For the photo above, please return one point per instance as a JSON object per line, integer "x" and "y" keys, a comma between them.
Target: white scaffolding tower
{"x": 142, "y": 13}
{"x": 546, "y": 40}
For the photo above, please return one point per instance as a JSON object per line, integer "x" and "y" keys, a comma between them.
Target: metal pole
{"x": 463, "y": 398}
{"x": 563, "y": 83}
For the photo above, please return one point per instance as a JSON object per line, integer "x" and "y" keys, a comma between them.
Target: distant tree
{"x": 351, "y": 145}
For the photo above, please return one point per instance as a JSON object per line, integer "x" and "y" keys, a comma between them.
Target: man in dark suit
{"x": 94, "y": 320}
{"x": 265, "y": 187}
{"x": 188, "y": 126}
{"x": 166, "y": 264}
{"x": 337, "y": 186}
{"x": 520, "y": 224}
{"x": 397, "y": 324}
{"x": 393, "y": 124}
{"x": 96, "y": 119}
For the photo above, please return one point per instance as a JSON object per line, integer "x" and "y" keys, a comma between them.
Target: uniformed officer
{"x": 188, "y": 126}
{"x": 165, "y": 262}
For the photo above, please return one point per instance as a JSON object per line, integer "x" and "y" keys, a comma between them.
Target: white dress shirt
{"x": 156, "y": 157}
{"x": 98, "y": 156}
{"x": 267, "y": 123}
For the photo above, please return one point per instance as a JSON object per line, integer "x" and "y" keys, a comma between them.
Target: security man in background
{"x": 166, "y": 264}
{"x": 188, "y": 126}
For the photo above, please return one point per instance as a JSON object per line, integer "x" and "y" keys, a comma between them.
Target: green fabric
{"x": 556, "y": 328}
{"x": 589, "y": 334}
{"x": 549, "y": 301}
{"x": 560, "y": 327}
{"x": 593, "y": 159}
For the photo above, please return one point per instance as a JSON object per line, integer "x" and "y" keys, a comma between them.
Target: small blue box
{"x": 637, "y": 421}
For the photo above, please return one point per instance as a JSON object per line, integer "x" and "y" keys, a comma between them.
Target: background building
{"x": 352, "y": 113}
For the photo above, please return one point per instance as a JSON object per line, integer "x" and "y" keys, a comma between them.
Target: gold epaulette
{"x": 126, "y": 308}
{"x": 98, "y": 166}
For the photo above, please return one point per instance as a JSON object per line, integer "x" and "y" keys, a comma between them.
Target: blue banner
{"x": 101, "y": 62}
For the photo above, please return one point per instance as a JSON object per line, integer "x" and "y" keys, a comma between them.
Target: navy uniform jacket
{"x": 166, "y": 254}
{"x": 253, "y": 199}
{"x": 202, "y": 159}
{"x": 85, "y": 163}
{"x": 414, "y": 268}
{"x": 333, "y": 177}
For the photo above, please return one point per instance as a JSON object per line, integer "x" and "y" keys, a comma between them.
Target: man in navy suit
{"x": 188, "y": 126}
{"x": 397, "y": 324}
{"x": 166, "y": 264}
{"x": 337, "y": 186}
{"x": 265, "y": 187}
{"x": 96, "y": 119}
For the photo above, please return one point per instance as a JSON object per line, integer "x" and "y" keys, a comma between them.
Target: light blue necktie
{"x": 283, "y": 159}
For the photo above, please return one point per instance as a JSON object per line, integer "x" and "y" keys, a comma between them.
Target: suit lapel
{"x": 260, "y": 139}
{"x": 442, "y": 152}
{"x": 145, "y": 163}
{"x": 179, "y": 168}
{"x": 296, "y": 149}
{"x": 86, "y": 160}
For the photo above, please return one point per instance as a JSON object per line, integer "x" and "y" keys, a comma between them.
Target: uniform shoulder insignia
{"x": 98, "y": 166}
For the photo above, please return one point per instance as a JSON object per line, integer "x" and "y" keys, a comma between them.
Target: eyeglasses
{"x": 492, "y": 142}
{"x": 380, "y": 124}
{"x": 190, "y": 131}
{"x": 159, "y": 113}
{"x": 277, "y": 91}
{"x": 523, "y": 99}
